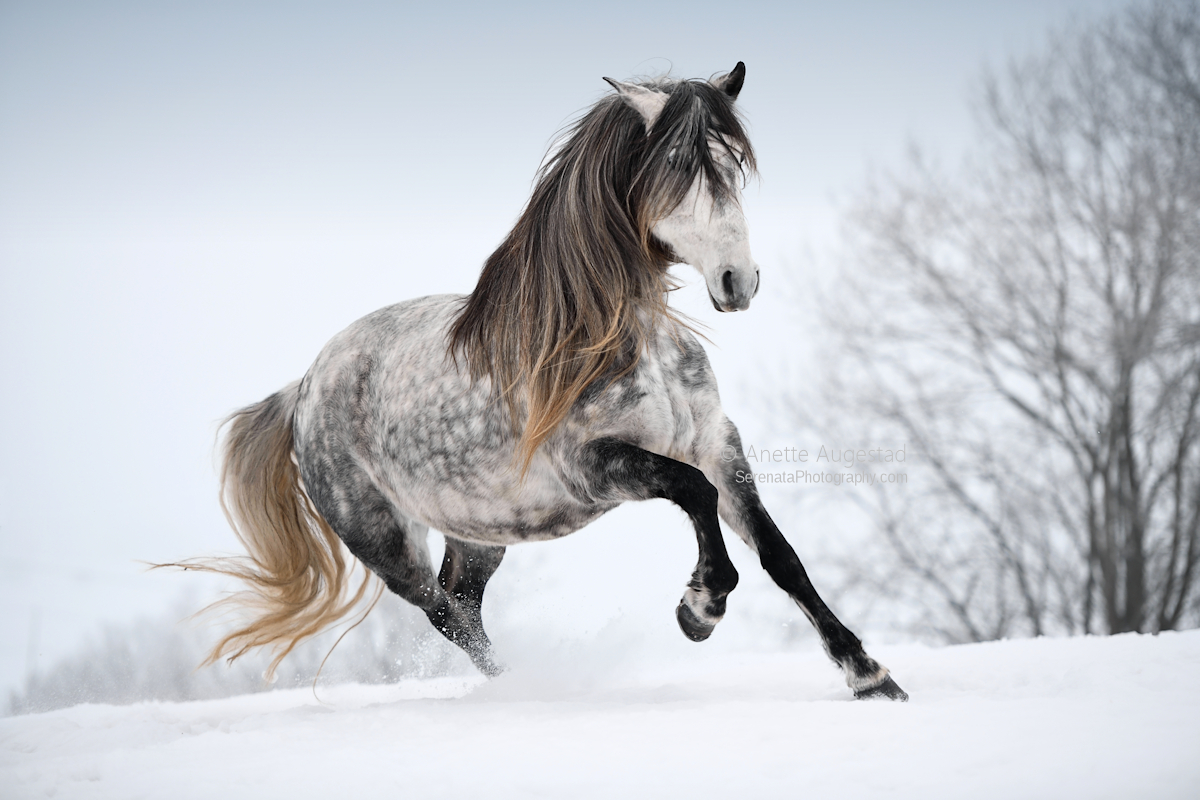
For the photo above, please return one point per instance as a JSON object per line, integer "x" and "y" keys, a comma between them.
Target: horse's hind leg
{"x": 466, "y": 568}
{"x": 405, "y": 567}
{"x": 617, "y": 471}
{"x": 395, "y": 548}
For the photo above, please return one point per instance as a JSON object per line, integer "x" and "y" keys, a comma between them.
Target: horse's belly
{"x": 495, "y": 522}
{"x": 468, "y": 484}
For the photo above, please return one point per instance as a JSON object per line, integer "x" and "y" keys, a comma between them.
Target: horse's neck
{"x": 664, "y": 341}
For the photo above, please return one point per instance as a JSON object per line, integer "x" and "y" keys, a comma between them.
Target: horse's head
{"x": 688, "y": 188}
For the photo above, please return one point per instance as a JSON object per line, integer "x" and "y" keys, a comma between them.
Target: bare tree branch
{"x": 1031, "y": 325}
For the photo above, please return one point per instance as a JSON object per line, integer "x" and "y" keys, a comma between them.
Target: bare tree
{"x": 1030, "y": 326}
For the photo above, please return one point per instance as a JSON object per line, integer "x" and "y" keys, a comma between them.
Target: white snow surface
{"x": 1115, "y": 717}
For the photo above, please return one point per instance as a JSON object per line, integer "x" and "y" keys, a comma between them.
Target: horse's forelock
{"x": 696, "y": 118}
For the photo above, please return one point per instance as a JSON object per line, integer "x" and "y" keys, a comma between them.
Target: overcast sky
{"x": 195, "y": 196}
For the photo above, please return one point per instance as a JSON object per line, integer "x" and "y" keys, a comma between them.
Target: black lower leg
{"x": 463, "y": 626}
{"x": 403, "y": 563}
{"x": 865, "y": 676}
{"x": 742, "y": 508}
{"x": 457, "y": 621}
{"x": 618, "y": 471}
{"x": 466, "y": 568}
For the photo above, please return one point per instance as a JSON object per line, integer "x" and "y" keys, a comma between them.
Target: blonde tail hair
{"x": 298, "y": 574}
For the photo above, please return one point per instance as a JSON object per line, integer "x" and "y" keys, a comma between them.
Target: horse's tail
{"x": 298, "y": 574}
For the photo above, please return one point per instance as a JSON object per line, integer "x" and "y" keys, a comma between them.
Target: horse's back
{"x": 385, "y": 369}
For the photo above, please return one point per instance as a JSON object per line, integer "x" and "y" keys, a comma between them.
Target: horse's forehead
{"x": 722, "y": 145}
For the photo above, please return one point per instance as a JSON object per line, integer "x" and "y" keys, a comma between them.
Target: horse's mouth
{"x": 724, "y": 309}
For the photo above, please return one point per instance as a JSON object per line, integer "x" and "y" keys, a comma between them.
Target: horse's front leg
{"x": 743, "y": 511}
{"x": 616, "y": 471}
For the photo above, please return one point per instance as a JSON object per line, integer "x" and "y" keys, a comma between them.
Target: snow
{"x": 1097, "y": 717}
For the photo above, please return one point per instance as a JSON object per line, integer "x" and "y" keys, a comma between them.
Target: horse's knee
{"x": 695, "y": 494}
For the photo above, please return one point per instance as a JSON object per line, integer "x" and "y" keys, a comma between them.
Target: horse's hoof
{"x": 887, "y": 690}
{"x": 691, "y": 625}
{"x": 489, "y": 668}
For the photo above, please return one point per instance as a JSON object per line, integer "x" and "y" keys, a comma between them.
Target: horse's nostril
{"x": 727, "y": 282}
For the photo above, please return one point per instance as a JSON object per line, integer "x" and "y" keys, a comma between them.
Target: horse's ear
{"x": 731, "y": 83}
{"x": 647, "y": 102}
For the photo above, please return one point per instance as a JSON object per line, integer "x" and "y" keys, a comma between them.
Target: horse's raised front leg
{"x": 616, "y": 471}
{"x": 743, "y": 511}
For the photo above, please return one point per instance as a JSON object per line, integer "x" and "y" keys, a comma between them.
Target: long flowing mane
{"x": 575, "y": 290}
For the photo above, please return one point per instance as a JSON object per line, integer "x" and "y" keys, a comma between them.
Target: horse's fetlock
{"x": 863, "y": 672}
{"x": 707, "y": 605}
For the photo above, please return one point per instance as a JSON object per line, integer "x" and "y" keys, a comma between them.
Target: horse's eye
{"x": 671, "y": 156}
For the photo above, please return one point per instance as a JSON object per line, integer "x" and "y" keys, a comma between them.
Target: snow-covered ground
{"x": 1080, "y": 718}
